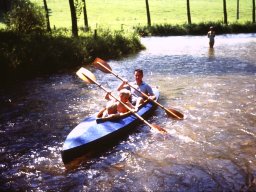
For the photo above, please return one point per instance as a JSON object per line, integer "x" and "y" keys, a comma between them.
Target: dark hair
{"x": 139, "y": 71}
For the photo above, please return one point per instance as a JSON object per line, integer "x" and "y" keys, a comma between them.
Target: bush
{"x": 25, "y": 17}
{"x": 195, "y": 29}
{"x": 29, "y": 55}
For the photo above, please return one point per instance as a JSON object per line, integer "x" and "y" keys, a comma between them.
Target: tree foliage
{"x": 25, "y": 17}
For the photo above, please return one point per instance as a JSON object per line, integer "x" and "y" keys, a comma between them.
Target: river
{"x": 212, "y": 149}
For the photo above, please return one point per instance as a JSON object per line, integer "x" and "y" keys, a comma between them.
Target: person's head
{"x": 138, "y": 74}
{"x": 124, "y": 95}
{"x": 211, "y": 28}
{"x": 111, "y": 107}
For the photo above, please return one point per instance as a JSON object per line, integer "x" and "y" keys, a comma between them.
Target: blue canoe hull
{"x": 94, "y": 134}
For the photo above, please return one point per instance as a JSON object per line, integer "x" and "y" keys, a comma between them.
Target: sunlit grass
{"x": 2, "y": 26}
{"x": 117, "y": 14}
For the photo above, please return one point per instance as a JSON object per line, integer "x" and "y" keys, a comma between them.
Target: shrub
{"x": 195, "y": 29}
{"x": 25, "y": 17}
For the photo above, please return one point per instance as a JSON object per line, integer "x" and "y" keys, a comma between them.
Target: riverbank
{"x": 30, "y": 55}
{"x": 196, "y": 29}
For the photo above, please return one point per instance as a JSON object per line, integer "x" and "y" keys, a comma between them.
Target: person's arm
{"x": 150, "y": 92}
{"x": 123, "y": 85}
{"x": 128, "y": 103}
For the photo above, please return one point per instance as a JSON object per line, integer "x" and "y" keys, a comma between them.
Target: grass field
{"x": 128, "y": 13}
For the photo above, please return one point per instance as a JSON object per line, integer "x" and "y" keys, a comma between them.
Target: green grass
{"x": 129, "y": 13}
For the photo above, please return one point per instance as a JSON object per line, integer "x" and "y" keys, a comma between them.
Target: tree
{"x": 148, "y": 13}
{"x": 73, "y": 18}
{"x": 237, "y": 9}
{"x": 253, "y": 11}
{"x": 188, "y": 12}
{"x": 25, "y": 17}
{"x": 225, "y": 12}
{"x": 47, "y": 16}
{"x": 86, "y": 26}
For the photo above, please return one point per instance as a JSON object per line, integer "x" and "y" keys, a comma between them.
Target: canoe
{"x": 93, "y": 133}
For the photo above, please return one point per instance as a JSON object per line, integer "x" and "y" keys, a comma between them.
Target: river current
{"x": 212, "y": 149}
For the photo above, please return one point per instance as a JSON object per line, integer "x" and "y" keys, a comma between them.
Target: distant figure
{"x": 211, "y": 35}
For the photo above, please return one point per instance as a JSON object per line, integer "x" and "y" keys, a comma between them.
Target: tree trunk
{"x": 47, "y": 16}
{"x": 225, "y": 12}
{"x": 73, "y": 18}
{"x": 148, "y": 13}
{"x": 188, "y": 12}
{"x": 86, "y": 26}
{"x": 237, "y": 10}
{"x": 253, "y": 11}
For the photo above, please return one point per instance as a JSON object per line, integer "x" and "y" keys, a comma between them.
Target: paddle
{"x": 103, "y": 66}
{"x": 89, "y": 78}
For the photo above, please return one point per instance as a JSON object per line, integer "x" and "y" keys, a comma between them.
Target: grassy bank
{"x": 25, "y": 56}
{"x": 195, "y": 29}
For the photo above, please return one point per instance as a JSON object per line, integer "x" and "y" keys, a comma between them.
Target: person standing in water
{"x": 211, "y": 35}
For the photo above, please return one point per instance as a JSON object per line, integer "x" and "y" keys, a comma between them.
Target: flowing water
{"x": 212, "y": 149}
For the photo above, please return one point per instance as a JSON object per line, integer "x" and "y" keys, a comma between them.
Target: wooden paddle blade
{"x": 86, "y": 75}
{"x": 174, "y": 114}
{"x": 159, "y": 128}
{"x": 102, "y": 65}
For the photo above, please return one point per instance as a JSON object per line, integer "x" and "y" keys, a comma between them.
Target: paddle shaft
{"x": 145, "y": 95}
{"x": 138, "y": 116}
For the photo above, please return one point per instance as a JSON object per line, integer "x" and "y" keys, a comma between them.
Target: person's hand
{"x": 135, "y": 109}
{"x": 123, "y": 85}
{"x": 152, "y": 97}
{"x": 108, "y": 95}
{"x": 125, "y": 82}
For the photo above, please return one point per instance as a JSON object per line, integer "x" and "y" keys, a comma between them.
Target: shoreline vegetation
{"x": 28, "y": 51}
{"x": 25, "y": 56}
{"x": 196, "y": 29}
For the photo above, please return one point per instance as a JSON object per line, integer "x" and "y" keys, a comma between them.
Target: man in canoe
{"x": 137, "y": 97}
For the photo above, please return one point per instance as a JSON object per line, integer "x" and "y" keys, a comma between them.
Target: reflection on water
{"x": 212, "y": 149}
{"x": 211, "y": 53}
